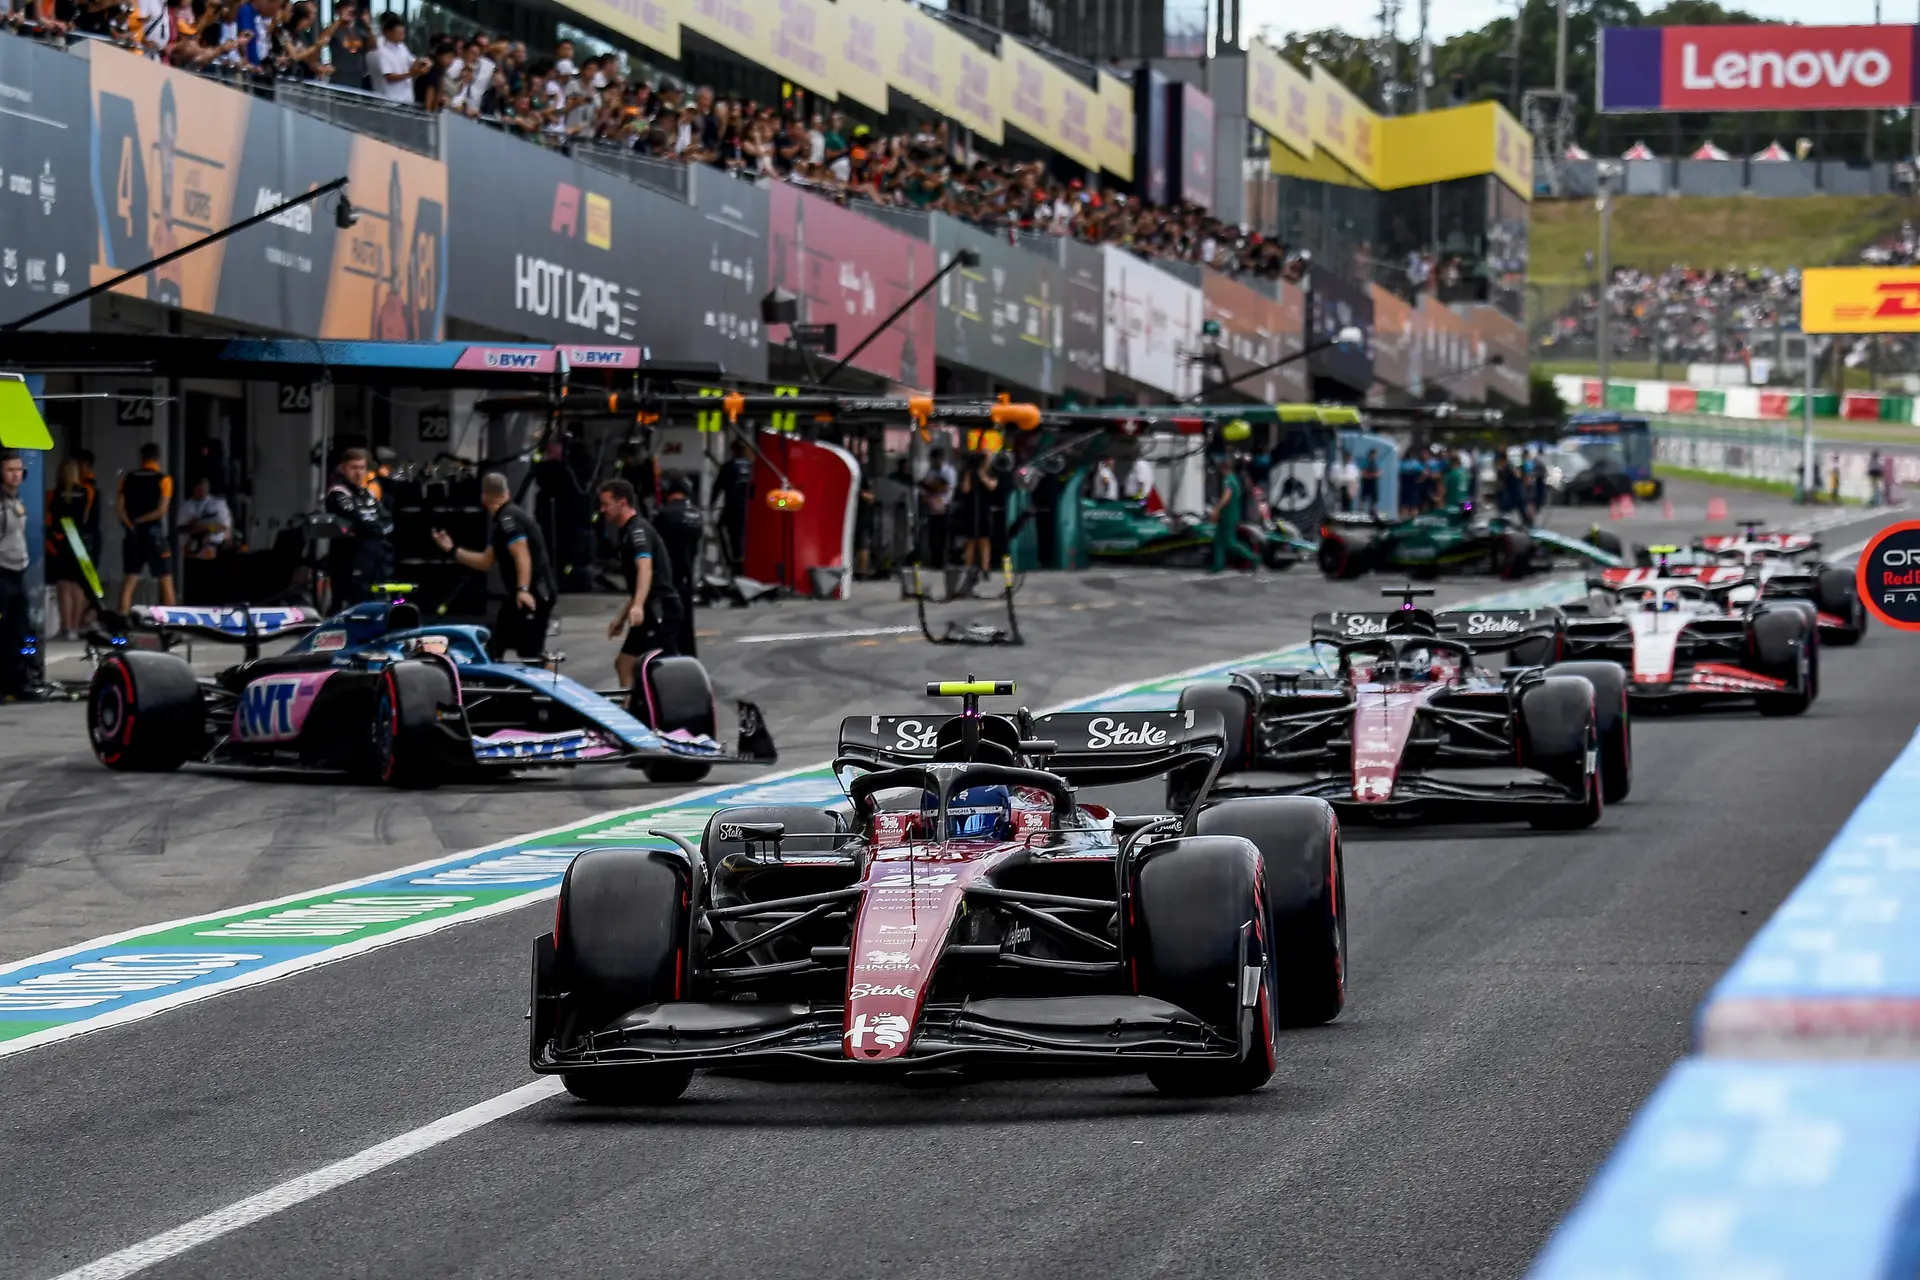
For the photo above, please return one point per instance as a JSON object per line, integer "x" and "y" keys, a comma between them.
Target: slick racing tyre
{"x": 1838, "y": 593}
{"x": 1299, "y": 842}
{"x": 1785, "y": 646}
{"x": 145, "y": 712}
{"x": 407, "y": 738}
{"x": 1606, "y": 540}
{"x": 1339, "y": 559}
{"x": 1512, "y": 554}
{"x": 1559, "y": 737}
{"x": 798, "y": 819}
{"x": 620, "y": 933}
{"x": 1613, "y": 721}
{"x": 1236, "y": 708}
{"x": 1201, "y": 922}
{"x": 674, "y": 693}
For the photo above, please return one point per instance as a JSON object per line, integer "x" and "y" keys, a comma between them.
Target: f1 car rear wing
{"x": 1489, "y": 630}
{"x": 229, "y": 624}
{"x": 1344, "y": 627}
{"x": 1088, "y": 748}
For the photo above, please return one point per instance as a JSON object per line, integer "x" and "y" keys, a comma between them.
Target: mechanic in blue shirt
{"x": 651, "y": 615}
{"x": 515, "y": 544}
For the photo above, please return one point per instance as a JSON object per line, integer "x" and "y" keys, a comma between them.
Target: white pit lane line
{"x": 791, "y": 637}
{"x": 242, "y": 1213}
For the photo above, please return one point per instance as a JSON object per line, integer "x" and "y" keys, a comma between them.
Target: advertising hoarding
{"x": 46, "y": 213}
{"x": 1150, "y": 132}
{"x": 1085, "y": 277}
{"x": 1499, "y": 334}
{"x": 1860, "y": 300}
{"x": 1280, "y": 98}
{"x": 1393, "y": 342}
{"x": 158, "y": 185}
{"x": 1192, "y": 167}
{"x": 1152, "y": 324}
{"x": 1255, "y": 330}
{"x": 1003, "y": 316}
{"x": 1757, "y": 68}
{"x": 852, "y": 271}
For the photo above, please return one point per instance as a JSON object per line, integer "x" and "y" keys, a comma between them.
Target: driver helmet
{"x": 1669, "y": 600}
{"x": 974, "y": 813}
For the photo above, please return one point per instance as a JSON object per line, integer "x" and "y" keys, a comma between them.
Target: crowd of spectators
{"x": 1680, "y": 316}
{"x": 578, "y": 98}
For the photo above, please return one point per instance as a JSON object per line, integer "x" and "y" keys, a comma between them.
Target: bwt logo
{"x": 513, "y": 359}
{"x": 266, "y": 709}
{"x": 603, "y": 356}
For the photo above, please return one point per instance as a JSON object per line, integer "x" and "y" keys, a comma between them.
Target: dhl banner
{"x": 1347, "y": 128}
{"x": 159, "y": 185}
{"x": 1280, "y": 99}
{"x": 1860, "y": 300}
{"x": 1113, "y": 137}
{"x": 654, "y": 23}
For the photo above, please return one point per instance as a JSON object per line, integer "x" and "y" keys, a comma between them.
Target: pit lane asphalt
{"x": 1515, "y": 996}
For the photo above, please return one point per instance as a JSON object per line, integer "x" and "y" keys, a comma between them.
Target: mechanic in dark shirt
{"x": 682, "y": 530}
{"x": 361, "y": 553}
{"x": 146, "y": 494}
{"x": 514, "y": 543}
{"x": 735, "y": 487}
{"x": 651, "y": 614}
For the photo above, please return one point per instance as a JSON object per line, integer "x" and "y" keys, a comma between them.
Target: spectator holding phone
{"x": 395, "y": 67}
{"x": 351, "y": 43}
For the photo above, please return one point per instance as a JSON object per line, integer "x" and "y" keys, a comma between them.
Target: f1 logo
{"x": 1899, "y": 299}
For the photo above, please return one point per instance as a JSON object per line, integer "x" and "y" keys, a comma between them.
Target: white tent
{"x": 1773, "y": 151}
{"x": 1707, "y": 151}
{"x": 1638, "y": 151}
{"x": 1576, "y": 152}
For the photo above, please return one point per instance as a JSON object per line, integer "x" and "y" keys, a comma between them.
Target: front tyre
{"x": 407, "y": 737}
{"x": 1236, "y": 708}
{"x": 652, "y": 1085}
{"x": 1613, "y": 721}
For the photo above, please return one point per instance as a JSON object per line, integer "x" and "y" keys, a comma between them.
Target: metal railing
{"x": 401, "y": 124}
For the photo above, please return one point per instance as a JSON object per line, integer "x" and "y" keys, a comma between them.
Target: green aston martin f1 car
{"x": 1456, "y": 540}
{"x": 1125, "y": 531}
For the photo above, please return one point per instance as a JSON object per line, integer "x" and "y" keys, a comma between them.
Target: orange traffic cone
{"x": 1613, "y": 509}
{"x": 1716, "y": 508}
{"x": 1626, "y": 506}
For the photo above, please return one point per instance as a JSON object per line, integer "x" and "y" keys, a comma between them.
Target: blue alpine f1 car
{"x": 375, "y": 693}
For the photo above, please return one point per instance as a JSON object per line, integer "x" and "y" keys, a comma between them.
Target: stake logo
{"x": 1888, "y": 576}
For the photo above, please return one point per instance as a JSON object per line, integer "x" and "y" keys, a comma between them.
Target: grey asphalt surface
{"x": 1515, "y": 995}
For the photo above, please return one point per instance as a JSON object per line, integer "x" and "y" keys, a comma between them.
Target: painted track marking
{"x": 242, "y": 1213}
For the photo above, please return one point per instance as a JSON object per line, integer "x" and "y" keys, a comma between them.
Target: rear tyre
{"x": 145, "y": 713}
{"x": 1235, "y": 707}
{"x": 1613, "y": 721}
{"x": 407, "y": 738}
{"x": 620, "y": 937}
{"x": 1783, "y": 642}
{"x": 1201, "y": 922}
{"x": 1337, "y": 559}
{"x": 1839, "y": 594}
{"x": 1512, "y": 554}
{"x": 1606, "y": 540}
{"x": 1299, "y": 842}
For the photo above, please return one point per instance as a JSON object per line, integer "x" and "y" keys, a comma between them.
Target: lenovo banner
{"x": 1002, "y": 317}
{"x": 46, "y": 209}
{"x": 1757, "y": 68}
{"x": 852, "y": 271}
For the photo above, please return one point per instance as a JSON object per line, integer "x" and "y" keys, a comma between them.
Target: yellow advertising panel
{"x": 1280, "y": 99}
{"x": 861, "y": 72}
{"x": 1046, "y": 103}
{"x": 1860, "y": 300}
{"x": 654, "y": 23}
{"x": 1077, "y": 109}
{"x": 1347, "y": 128}
{"x": 975, "y": 76}
{"x": 387, "y": 280}
{"x": 792, "y": 38}
{"x": 1113, "y": 138}
{"x": 1458, "y": 142}
{"x": 1512, "y": 152}
{"x": 910, "y": 53}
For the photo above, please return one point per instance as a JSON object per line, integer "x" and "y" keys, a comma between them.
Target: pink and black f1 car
{"x": 374, "y": 693}
{"x": 1688, "y": 639}
{"x": 1402, "y": 722}
{"x": 963, "y": 908}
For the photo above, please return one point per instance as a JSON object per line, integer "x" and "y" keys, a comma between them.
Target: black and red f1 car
{"x": 1686, "y": 638}
{"x": 1401, "y": 722}
{"x": 962, "y": 908}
